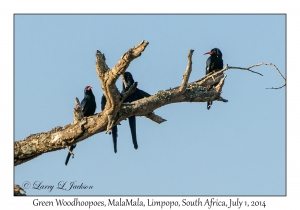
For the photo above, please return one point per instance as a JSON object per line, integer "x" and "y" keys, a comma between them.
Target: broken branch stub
{"x": 108, "y": 78}
{"x": 78, "y": 115}
{"x": 59, "y": 137}
{"x": 187, "y": 73}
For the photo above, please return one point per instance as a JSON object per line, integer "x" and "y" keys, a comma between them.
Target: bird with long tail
{"x": 213, "y": 63}
{"x": 88, "y": 106}
{"x": 136, "y": 95}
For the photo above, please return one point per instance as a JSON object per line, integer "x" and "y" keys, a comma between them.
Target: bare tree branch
{"x": 19, "y": 191}
{"x": 115, "y": 111}
{"x": 109, "y": 77}
{"x": 60, "y": 137}
{"x": 247, "y": 69}
{"x": 259, "y": 64}
{"x": 187, "y": 73}
{"x": 78, "y": 115}
{"x": 125, "y": 60}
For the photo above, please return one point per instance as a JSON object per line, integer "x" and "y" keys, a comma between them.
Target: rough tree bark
{"x": 19, "y": 191}
{"x": 116, "y": 111}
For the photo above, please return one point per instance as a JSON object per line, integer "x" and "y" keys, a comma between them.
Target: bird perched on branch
{"x": 213, "y": 63}
{"x": 88, "y": 106}
{"x": 136, "y": 95}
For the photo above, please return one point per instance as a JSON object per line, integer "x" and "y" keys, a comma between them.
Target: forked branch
{"x": 187, "y": 73}
{"x": 116, "y": 111}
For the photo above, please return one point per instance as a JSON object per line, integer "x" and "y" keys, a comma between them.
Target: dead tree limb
{"x": 115, "y": 110}
{"x": 187, "y": 73}
{"x": 259, "y": 64}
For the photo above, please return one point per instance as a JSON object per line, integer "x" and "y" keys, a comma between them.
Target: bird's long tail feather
{"x": 114, "y": 136}
{"x": 133, "y": 131}
{"x": 69, "y": 154}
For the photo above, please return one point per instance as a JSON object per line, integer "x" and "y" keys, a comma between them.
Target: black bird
{"x": 88, "y": 106}
{"x": 213, "y": 63}
{"x": 136, "y": 95}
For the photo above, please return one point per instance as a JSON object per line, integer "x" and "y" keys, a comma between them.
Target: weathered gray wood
{"x": 116, "y": 111}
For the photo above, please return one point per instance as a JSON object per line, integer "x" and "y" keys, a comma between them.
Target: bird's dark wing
{"x": 103, "y": 102}
{"x": 88, "y": 106}
{"x": 221, "y": 64}
{"x": 133, "y": 131}
{"x": 208, "y": 65}
{"x": 83, "y": 103}
{"x": 141, "y": 94}
{"x": 114, "y": 131}
{"x": 218, "y": 64}
{"x": 211, "y": 65}
{"x": 69, "y": 154}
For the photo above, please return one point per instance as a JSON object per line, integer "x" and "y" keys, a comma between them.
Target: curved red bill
{"x": 207, "y": 53}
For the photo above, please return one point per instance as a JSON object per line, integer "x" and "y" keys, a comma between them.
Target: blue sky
{"x": 235, "y": 148}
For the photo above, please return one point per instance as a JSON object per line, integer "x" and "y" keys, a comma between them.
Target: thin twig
{"x": 278, "y": 87}
{"x": 259, "y": 64}
{"x": 78, "y": 115}
{"x": 222, "y": 99}
{"x": 247, "y": 69}
{"x": 271, "y": 64}
{"x": 126, "y": 59}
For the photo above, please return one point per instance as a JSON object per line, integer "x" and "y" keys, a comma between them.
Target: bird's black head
{"x": 127, "y": 76}
{"x": 88, "y": 90}
{"x": 215, "y": 52}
